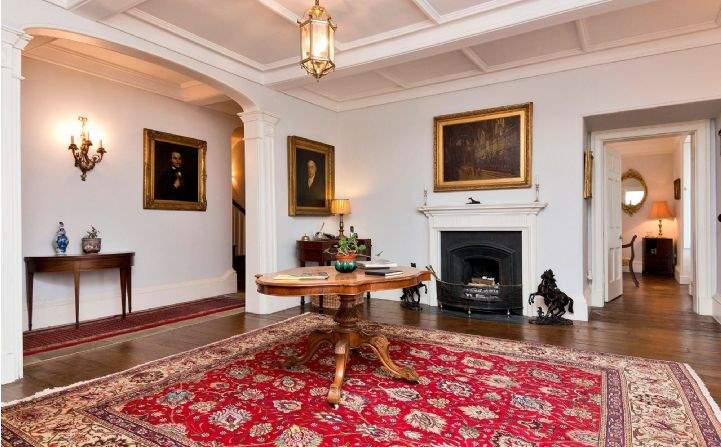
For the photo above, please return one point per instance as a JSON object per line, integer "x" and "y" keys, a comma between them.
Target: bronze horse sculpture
{"x": 554, "y": 299}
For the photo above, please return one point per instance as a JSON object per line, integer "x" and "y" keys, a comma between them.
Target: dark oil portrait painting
{"x": 484, "y": 149}
{"x": 174, "y": 172}
{"x": 310, "y": 177}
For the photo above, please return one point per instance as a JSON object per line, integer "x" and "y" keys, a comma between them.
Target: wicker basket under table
{"x": 332, "y": 301}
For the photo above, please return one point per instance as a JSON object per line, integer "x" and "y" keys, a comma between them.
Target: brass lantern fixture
{"x": 83, "y": 160}
{"x": 317, "y": 48}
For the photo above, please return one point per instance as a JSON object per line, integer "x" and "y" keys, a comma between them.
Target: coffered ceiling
{"x": 394, "y": 49}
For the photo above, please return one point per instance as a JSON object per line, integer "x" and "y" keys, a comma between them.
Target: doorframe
{"x": 703, "y": 212}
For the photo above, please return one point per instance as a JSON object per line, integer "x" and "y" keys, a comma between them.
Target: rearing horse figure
{"x": 554, "y": 299}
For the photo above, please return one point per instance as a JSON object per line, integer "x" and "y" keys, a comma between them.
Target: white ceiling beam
{"x": 428, "y": 10}
{"x": 101, "y": 9}
{"x": 582, "y": 32}
{"x": 281, "y": 10}
{"x": 387, "y": 76}
{"x": 475, "y": 58}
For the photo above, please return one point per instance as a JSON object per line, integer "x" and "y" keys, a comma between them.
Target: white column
{"x": 11, "y": 272}
{"x": 260, "y": 230}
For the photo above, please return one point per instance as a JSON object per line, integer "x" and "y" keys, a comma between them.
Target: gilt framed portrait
{"x": 173, "y": 172}
{"x": 311, "y": 177}
{"x": 483, "y": 149}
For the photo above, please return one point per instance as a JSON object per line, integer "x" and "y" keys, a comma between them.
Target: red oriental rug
{"x": 49, "y": 339}
{"x": 473, "y": 391}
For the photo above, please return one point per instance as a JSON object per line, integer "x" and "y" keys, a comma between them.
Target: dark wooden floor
{"x": 655, "y": 321}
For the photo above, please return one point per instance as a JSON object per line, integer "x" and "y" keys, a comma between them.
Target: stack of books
{"x": 308, "y": 276}
{"x": 379, "y": 267}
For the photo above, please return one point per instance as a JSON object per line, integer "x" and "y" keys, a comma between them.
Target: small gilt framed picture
{"x": 311, "y": 177}
{"x": 173, "y": 172}
{"x": 587, "y": 174}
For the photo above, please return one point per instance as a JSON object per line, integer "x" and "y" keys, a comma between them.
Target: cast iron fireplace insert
{"x": 481, "y": 272}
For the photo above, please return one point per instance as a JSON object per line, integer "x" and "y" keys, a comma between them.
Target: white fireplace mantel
{"x": 521, "y": 217}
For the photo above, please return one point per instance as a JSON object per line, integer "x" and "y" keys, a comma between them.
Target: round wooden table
{"x": 346, "y": 334}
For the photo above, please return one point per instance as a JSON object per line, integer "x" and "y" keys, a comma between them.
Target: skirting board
{"x": 716, "y": 308}
{"x": 62, "y": 311}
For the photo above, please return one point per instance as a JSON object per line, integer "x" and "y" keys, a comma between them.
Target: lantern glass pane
{"x": 319, "y": 36}
{"x": 305, "y": 40}
{"x": 331, "y": 43}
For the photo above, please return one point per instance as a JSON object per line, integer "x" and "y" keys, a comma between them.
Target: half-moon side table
{"x": 346, "y": 334}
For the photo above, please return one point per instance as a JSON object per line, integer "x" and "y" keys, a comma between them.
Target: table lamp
{"x": 340, "y": 207}
{"x": 660, "y": 211}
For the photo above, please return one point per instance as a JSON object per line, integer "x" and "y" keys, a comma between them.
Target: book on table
{"x": 376, "y": 263}
{"x": 383, "y": 272}
{"x": 307, "y": 276}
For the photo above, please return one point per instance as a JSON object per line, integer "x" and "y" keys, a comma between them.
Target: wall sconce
{"x": 82, "y": 160}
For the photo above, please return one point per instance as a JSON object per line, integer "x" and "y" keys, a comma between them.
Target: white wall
{"x": 387, "y": 157}
{"x": 717, "y": 300}
{"x": 180, "y": 255}
{"x": 657, "y": 171}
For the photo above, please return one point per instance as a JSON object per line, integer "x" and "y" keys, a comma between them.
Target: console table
{"x": 314, "y": 250}
{"x": 658, "y": 256}
{"x": 76, "y": 264}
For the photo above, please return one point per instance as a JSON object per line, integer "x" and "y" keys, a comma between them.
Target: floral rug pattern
{"x": 473, "y": 391}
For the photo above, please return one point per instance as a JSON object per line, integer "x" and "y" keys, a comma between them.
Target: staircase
{"x": 239, "y": 244}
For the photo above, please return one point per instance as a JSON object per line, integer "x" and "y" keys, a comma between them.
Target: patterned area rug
{"x": 43, "y": 340}
{"x": 473, "y": 391}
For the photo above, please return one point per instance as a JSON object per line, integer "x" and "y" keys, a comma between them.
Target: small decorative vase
{"x": 61, "y": 240}
{"x": 345, "y": 263}
{"x": 91, "y": 245}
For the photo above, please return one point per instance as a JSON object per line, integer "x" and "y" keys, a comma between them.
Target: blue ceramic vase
{"x": 345, "y": 264}
{"x": 61, "y": 240}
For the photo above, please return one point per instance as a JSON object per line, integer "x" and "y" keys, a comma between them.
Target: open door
{"x": 614, "y": 238}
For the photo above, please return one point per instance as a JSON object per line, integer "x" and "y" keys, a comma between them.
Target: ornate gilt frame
{"x": 587, "y": 174}
{"x": 633, "y": 209}
{"x": 525, "y": 111}
{"x": 149, "y": 200}
{"x": 328, "y": 151}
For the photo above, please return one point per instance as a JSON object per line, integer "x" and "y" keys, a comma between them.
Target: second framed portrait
{"x": 311, "y": 177}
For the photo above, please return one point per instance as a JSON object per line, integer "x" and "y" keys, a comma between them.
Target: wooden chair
{"x": 630, "y": 261}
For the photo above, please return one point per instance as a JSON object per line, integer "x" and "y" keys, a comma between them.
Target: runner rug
{"x": 473, "y": 391}
{"x": 43, "y": 340}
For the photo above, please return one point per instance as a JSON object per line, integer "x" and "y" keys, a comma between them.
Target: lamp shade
{"x": 340, "y": 206}
{"x": 659, "y": 210}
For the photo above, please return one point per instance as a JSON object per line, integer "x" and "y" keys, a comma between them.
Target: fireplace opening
{"x": 481, "y": 272}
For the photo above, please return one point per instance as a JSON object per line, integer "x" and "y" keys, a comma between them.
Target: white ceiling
{"x": 393, "y": 49}
{"x": 128, "y": 70}
{"x": 647, "y": 146}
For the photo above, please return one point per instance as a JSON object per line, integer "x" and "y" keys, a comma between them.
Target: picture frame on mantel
{"x": 173, "y": 172}
{"x": 483, "y": 149}
{"x": 311, "y": 177}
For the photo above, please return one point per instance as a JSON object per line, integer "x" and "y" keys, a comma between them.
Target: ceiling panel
{"x": 650, "y": 18}
{"x": 546, "y": 41}
{"x": 245, "y": 27}
{"x": 123, "y": 60}
{"x": 439, "y": 66}
{"x": 357, "y": 19}
{"x": 351, "y": 86}
{"x": 446, "y": 6}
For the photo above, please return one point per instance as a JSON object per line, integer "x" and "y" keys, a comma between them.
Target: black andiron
{"x": 554, "y": 299}
{"x": 411, "y": 298}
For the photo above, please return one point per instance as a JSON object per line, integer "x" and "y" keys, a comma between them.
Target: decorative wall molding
{"x": 61, "y": 310}
{"x": 11, "y": 260}
{"x": 521, "y": 217}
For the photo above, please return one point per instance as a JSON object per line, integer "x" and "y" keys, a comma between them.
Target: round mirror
{"x": 633, "y": 191}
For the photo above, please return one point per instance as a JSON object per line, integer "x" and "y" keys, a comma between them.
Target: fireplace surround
{"x": 511, "y": 217}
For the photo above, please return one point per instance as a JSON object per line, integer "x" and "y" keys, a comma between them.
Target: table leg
{"x": 302, "y": 298}
{"x": 129, "y": 287}
{"x": 29, "y": 292}
{"x": 342, "y": 351}
{"x": 122, "y": 289}
{"x": 76, "y": 277}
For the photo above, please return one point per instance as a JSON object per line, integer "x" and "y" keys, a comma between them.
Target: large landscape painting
{"x": 484, "y": 149}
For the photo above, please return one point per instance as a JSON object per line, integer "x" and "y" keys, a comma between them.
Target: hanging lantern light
{"x": 317, "y": 52}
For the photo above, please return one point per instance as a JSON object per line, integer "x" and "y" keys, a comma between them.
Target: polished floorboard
{"x": 653, "y": 321}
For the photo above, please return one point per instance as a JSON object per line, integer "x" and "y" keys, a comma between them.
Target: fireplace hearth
{"x": 481, "y": 272}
